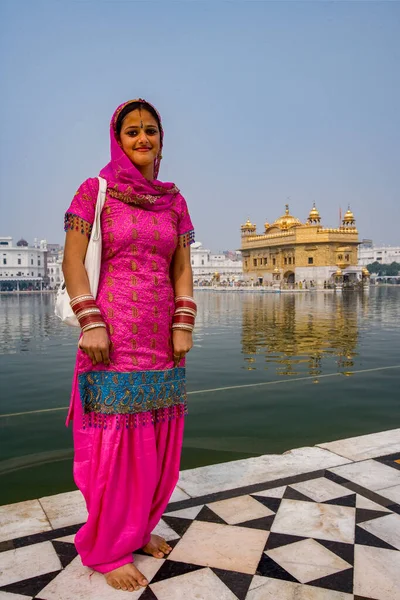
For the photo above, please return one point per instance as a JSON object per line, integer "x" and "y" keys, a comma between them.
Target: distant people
{"x": 129, "y": 389}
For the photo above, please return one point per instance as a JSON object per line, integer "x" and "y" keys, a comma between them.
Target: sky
{"x": 263, "y": 103}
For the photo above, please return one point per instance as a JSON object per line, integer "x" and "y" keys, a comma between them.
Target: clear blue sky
{"x": 261, "y": 101}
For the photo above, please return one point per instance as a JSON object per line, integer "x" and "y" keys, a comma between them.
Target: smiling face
{"x": 140, "y": 139}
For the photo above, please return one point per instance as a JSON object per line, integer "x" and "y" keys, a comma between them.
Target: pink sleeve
{"x": 80, "y": 214}
{"x": 185, "y": 226}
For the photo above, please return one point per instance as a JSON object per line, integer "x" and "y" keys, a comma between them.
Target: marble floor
{"x": 320, "y": 523}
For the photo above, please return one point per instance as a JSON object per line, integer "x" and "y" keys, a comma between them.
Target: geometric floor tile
{"x": 321, "y": 521}
{"x": 344, "y": 551}
{"x": 209, "y": 516}
{"x": 276, "y": 540}
{"x": 365, "y": 538}
{"x": 308, "y": 560}
{"x": 364, "y": 514}
{"x": 65, "y": 509}
{"x": 362, "y": 502}
{"x": 239, "y": 510}
{"x": 186, "y": 513}
{"x": 273, "y": 493}
{"x": 28, "y": 562}
{"x": 386, "y": 528}
{"x": 377, "y": 573}
{"x": 22, "y": 518}
{"x": 292, "y": 494}
{"x": 68, "y": 539}
{"x": 341, "y": 582}
{"x": 263, "y": 588}
{"x": 177, "y": 524}
{"x": 263, "y": 524}
{"x": 238, "y": 583}
{"x": 305, "y": 539}
{"x": 199, "y": 585}
{"x": 171, "y": 569}
{"x": 272, "y": 503}
{"x": 392, "y": 493}
{"x": 267, "y": 567}
{"x": 321, "y": 489}
{"x": 369, "y": 474}
{"x": 165, "y": 531}
{"x": 30, "y": 587}
{"x": 221, "y": 546}
{"x": 76, "y": 582}
{"x": 349, "y": 500}
{"x": 65, "y": 552}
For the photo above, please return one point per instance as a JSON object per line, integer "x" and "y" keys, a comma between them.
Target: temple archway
{"x": 289, "y": 277}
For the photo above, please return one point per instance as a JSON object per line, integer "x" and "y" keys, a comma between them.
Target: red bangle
{"x": 82, "y": 305}
{"x": 183, "y": 319}
{"x": 185, "y": 304}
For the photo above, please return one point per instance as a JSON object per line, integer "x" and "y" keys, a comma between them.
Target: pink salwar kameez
{"x": 128, "y": 417}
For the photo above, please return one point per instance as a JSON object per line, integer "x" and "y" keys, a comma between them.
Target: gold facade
{"x": 289, "y": 247}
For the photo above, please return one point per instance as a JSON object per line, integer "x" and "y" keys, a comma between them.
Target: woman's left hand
{"x": 182, "y": 342}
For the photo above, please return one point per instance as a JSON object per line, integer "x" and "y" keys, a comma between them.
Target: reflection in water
{"x": 301, "y": 329}
{"x": 28, "y": 324}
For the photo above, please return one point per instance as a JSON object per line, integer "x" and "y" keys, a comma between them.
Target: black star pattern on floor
{"x": 238, "y": 583}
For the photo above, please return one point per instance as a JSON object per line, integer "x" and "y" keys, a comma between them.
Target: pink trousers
{"x": 127, "y": 477}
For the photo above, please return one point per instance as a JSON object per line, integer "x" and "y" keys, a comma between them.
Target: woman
{"x": 129, "y": 397}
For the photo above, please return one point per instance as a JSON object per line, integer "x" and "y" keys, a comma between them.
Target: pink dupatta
{"x": 124, "y": 180}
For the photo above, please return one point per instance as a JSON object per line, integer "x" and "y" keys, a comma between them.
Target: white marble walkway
{"x": 317, "y": 523}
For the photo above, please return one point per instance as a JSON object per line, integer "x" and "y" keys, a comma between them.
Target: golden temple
{"x": 293, "y": 253}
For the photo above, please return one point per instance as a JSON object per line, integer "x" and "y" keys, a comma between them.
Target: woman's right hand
{"x": 96, "y": 344}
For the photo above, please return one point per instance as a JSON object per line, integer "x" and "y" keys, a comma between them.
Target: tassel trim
{"x": 133, "y": 421}
{"x": 74, "y": 222}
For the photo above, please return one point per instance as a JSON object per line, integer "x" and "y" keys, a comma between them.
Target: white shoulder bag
{"x": 63, "y": 309}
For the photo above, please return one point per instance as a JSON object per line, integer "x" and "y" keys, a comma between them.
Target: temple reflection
{"x": 297, "y": 332}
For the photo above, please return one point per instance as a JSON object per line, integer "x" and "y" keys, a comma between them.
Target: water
{"x": 268, "y": 373}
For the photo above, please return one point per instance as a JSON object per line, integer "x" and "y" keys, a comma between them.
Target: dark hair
{"x": 136, "y": 106}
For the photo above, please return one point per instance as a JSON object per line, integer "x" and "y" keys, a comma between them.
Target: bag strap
{"x": 101, "y": 197}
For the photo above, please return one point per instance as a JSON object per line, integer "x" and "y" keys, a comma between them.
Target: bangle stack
{"x": 87, "y": 312}
{"x": 185, "y": 313}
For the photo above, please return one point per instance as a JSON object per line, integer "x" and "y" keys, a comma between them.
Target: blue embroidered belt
{"x": 112, "y": 392}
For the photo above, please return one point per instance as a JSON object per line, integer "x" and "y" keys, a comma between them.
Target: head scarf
{"x": 124, "y": 180}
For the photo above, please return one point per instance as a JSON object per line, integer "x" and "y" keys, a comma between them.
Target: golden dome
{"x": 287, "y": 220}
{"x": 248, "y": 225}
{"x": 338, "y": 272}
{"x": 349, "y": 217}
{"x": 248, "y": 228}
{"x": 314, "y": 216}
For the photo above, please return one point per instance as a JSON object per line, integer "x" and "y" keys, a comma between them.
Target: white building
{"x": 22, "y": 264}
{"x": 368, "y": 253}
{"x": 54, "y": 266}
{"x": 206, "y": 265}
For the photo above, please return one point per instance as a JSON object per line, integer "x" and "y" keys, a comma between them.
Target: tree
{"x": 384, "y": 269}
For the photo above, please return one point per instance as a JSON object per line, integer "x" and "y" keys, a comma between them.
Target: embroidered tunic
{"x": 136, "y": 299}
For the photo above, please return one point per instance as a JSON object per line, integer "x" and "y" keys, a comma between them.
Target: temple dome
{"x": 22, "y": 243}
{"x": 348, "y": 218}
{"x": 287, "y": 220}
{"x": 248, "y": 226}
{"x": 314, "y": 216}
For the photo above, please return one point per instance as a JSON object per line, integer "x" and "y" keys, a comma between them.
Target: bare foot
{"x": 157, "y": 547}
{"x": 127, "y": 578}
